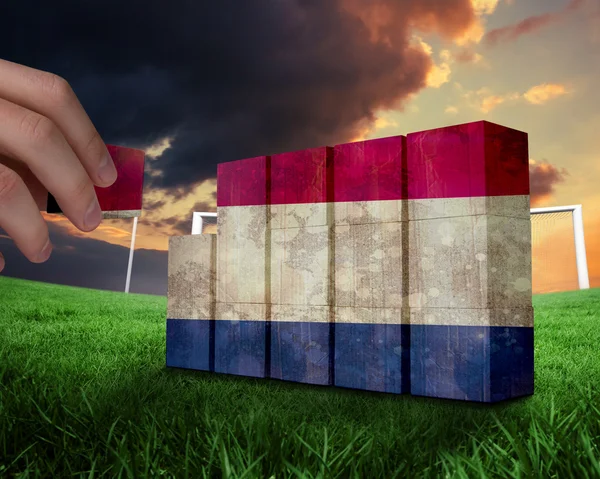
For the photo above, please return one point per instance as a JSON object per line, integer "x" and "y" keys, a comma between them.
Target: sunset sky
{"x": 203, "y": 83}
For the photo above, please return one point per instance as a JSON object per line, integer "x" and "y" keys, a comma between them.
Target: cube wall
{"x": 398, "y": 265}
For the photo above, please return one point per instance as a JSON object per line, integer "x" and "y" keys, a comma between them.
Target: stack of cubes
{"x": 398, "y": 265}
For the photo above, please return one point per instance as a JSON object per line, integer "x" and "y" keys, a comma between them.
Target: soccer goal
{"x": 204, "y": 223}
{"x": 562, "y": 226}
{"x": 566, "y": 263}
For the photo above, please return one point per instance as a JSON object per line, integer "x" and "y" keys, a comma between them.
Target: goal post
{"x": 580, "y": 255}
{"x": 576, "y": 210}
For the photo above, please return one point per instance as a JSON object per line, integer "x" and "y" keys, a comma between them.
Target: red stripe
{"x": 369, "y": 170}
{"x": 473, "y": 159}
{"x": 300, "y": 176}
{"x": 126, "y": 192}
{"x": 244, "y": 182}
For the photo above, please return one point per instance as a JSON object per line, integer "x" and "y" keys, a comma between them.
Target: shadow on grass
{"x": 407, "y": 422}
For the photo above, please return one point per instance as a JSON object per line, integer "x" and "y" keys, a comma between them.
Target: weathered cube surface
{"x": 242, "y": 254}
{"x": 481, "y": 355}
{"x": 471, "y": 316}
{"x": 241, "y": 339}
{"x": 372, "y": 170}
{"x": 241, "y": 323}
{"x": 191, "y": 302}
{"x": 302, "y": 343}
{"x": 372, "y": 349}
{"x": 300, "y": 266}
{"x": 481, "y": 261}
{"x": 370, "y": 218}
{"x": 368, "y": 264}
{"x": 479, "y": 159}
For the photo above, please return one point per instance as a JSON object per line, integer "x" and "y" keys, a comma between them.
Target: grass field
{"x": 84, "y": 392}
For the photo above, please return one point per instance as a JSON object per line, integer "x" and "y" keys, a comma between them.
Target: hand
{"x": 47, "y": 144}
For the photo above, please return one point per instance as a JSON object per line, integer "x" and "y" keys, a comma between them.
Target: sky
{"x": 195, "y": 84}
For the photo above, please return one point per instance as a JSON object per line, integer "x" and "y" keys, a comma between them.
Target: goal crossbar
{"x": 197, "y": 221}
{"x": 580, "y": 255}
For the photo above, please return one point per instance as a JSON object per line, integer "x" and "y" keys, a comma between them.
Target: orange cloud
{"x": 389, "y": 21}
{"x": 440, "y": 73}
{"x": 106, "y": 230}
{"x": 380, "y": 123}
{"x": 485, "y": 100}
{"x": 476, "y": 30}
{"x": 484, "y": 7}
{"x": 543, "y": 178}
{"x": 529, "y": 25}
{"x": 540, "y": 94}
{"x": 156, "y": 150}
{"x": 488, "y": 103}
{"x": 116, "y": 231}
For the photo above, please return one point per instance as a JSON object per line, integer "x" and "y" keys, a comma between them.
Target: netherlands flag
{"x": 399, "y": 265}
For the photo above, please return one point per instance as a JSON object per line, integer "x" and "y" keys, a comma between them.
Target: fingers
{"x": 36, "y": 188}
{"x": 21, "y": 219}
{"x": 51, "y": 96}
{"x": 2, "y": 263}
{"x": 37, "y": 141}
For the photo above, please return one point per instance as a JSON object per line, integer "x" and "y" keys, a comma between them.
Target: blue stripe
{"x": 188, "y": 344}
{"x": 300, "y": 352}
{"x": 373, "y": 357}
{"x": 240, "y": 348}
{"x": 473, "y": 363}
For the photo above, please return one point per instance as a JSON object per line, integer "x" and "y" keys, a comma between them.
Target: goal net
{"x": 204, "y": 223}
{"x": 558, "y": 249}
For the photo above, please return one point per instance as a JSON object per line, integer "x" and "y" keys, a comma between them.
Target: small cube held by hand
{"x": 123, "y": 199}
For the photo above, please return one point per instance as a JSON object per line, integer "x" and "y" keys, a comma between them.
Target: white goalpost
{"x": 580, "y": 255}
{"x": 200, "y": 219}
{"x": 131, "y": 248}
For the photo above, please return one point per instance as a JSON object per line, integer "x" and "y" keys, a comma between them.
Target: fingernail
{"x": 107, "y": 171}
{"x": 45, "y": 253}
{"x": 93, "y": 216}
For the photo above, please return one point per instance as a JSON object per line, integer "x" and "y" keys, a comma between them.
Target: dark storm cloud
{"x": 183, "y": 225}
{"x": 224, "y": 80}
{"x": 203, "y": 207}
{"x": 89, "y": 263}
{"x": 154, "y": 205}
{"x": 227, "y": 79}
